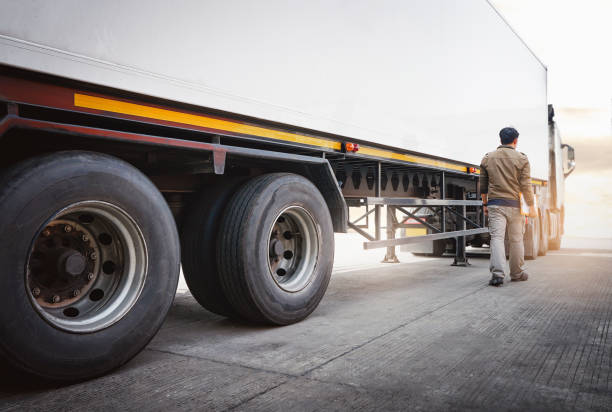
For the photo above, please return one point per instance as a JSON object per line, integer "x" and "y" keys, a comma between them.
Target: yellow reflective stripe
{"x": 410, "y": 158}
{"x": 132, "y": 109}
{"x": 537, "y": 182}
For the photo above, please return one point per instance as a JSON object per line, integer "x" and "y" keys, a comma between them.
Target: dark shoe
{"x": 496, "y": 282}
{"x": 524, "y": 276}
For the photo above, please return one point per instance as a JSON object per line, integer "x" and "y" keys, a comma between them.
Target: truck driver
{"x": 504, "y": 174}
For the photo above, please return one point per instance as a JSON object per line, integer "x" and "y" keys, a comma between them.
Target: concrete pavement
{"x": 416, "y": 335}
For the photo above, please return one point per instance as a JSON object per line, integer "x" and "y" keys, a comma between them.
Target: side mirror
{"x": 571, "y": 159}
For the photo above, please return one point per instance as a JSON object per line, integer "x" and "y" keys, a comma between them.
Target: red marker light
{"x": 351, "y": 147}
{"x": 473, "y": 170}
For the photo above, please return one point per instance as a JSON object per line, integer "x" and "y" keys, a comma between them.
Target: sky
{"x": 573, "y": 39}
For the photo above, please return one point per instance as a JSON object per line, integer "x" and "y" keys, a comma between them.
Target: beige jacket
{"x": 504, "y": 173}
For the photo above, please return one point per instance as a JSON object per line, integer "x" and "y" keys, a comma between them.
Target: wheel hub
{"x": 293, "y": 249}
{"x": 58, "y": 266}
{"x": 72, "y": 263}
{"x": 87, "y": 267}
{"x": 276, "y": 248}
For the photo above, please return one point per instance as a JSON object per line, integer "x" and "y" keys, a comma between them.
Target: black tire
{"x": 476, "y": 242}
{"x": 244, "y": 254}
{"x": 199, "y": 235}
{"x": 555, "y": 243}
{"x": 31, "y": 194}
{"x": 531, "y": 239}
{"x": 439, "y": 247}
{"x": 543, "y": 248}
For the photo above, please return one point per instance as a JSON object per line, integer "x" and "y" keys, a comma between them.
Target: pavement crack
{"x": 361, "y": 345}
{"x": 289, "y": 376}
{"x": 244, "y": 401}
{"x": 238, "y": 365}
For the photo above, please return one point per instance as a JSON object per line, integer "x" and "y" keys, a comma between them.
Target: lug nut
{"x": 93, "y": 255}
{"x": 46, "y": 233}
{"x": 84, "y": 238}
{"x": 90, "y": 276}
{"x": 36, "y": 292}
{"x": 76, "y": 292}
{"x": 56, "y": 299}
{"x": 67, "y": 228}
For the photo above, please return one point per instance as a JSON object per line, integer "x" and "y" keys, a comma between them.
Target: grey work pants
{"x": 499, "y": 218}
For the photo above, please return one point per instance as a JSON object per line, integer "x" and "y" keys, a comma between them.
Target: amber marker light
{"x": 351, "y": 147}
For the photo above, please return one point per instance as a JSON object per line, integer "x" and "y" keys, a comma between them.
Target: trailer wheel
{"x": 199, "y": 237}
{"x": 476, "y": 242}
{"x": 555, "y": 243}
{"x": 439, "y": 247}
{"x": 543, "y": 237}
{"x": 276, "y": 249}
{"x": 90, "y": 259}
{"x": 531, "y": 239}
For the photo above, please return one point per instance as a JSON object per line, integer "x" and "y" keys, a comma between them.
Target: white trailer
{"x": 251, "y": 127}
{"x": 437, "y": 77}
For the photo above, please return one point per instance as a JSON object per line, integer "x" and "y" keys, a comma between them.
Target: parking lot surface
{"x": 419, "y": 335}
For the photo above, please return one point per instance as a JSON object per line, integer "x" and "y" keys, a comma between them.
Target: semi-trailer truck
{"x": 233, "y": 138}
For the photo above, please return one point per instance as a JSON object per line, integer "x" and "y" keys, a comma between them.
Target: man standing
{"x": 504, "y": 174}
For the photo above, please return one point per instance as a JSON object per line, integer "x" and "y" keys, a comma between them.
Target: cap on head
{"x": 508, "y": 134}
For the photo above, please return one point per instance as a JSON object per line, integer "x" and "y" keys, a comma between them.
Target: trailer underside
{"x": 248, "y": 207}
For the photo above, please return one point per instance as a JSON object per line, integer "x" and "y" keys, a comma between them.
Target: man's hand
{"x": 484, "y": 197}
{"x": 533, "y": 212}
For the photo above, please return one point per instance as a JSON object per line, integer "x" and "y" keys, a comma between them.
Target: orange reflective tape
{"x": 132, "y": 109}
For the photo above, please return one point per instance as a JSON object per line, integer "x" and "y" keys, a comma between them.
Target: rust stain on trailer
{"x": 133, "y": 109}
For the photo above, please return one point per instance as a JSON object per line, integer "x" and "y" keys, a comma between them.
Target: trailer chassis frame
{"x": 439, "y": 207}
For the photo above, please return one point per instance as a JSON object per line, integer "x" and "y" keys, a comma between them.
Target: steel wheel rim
{"x": 293, "y": 248}
{"x": 103, "y": 241}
